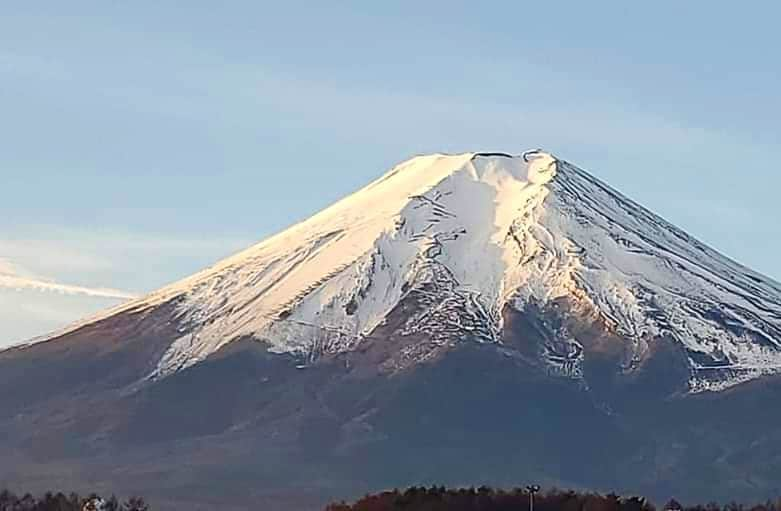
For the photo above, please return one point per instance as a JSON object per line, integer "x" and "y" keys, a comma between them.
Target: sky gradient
{"x": 145, "y": 140}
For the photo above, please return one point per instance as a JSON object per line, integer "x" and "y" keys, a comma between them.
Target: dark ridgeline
{"x": 438, "y": 498}
{"x": 59, "y": 501}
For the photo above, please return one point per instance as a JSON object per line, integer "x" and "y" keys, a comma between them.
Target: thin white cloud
{"x": 52, "y": 276}
{"x": 14, "y": 282}
{"x": 14, "y": 277}
{"x": 93, "y": 258}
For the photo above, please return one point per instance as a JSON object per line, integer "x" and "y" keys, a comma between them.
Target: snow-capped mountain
{"x": 475, "y": 233}
{"x": 464, "y": 319}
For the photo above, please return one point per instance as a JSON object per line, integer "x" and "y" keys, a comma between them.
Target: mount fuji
{"x": 464, "y": 319}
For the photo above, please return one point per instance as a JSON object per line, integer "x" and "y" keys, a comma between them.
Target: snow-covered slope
{"x": 323, "y": 284}
{"x": 470, "y": 235}
{"x": 650, "y": 280}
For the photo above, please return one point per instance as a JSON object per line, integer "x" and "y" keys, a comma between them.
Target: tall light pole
{"x": 531, "y": 490}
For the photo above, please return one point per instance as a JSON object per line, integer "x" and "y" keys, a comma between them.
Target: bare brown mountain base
{"x": 248, "y": 428}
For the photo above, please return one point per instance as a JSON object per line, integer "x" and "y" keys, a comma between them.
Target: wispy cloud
{"x": 13, "y": 282}
{"x": 133, "y": 262}
{"x": 13, "y": 277}
{"x": 51, "y": 276}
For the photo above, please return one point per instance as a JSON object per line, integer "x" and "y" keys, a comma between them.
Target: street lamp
{"x": 531, "y": 490}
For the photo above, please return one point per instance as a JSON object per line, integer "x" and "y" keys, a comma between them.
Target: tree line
{"x": 437, "y": 498}
{"x": 59, "y": 501}
{"x": 417, "y": 498}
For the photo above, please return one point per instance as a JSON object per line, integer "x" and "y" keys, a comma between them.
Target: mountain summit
{"x": 510, "y": 308}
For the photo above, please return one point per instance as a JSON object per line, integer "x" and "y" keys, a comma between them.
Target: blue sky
{"x": 144, "y": 140}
